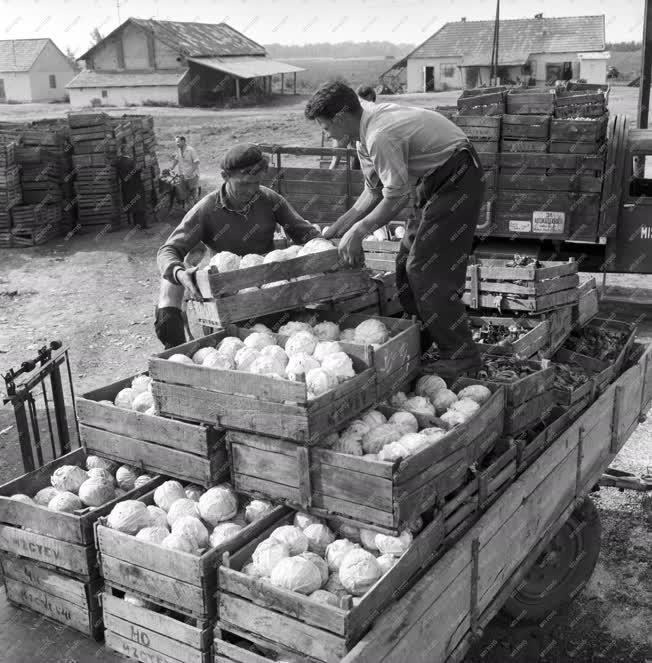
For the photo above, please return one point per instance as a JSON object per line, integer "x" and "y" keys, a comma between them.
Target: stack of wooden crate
{"x": 580, "y": 103}
{"x": 32, "y": 225}
{"x": 9, "y": 188}
{"x": 482, "y": 101}
{"x": 96, "y": 182}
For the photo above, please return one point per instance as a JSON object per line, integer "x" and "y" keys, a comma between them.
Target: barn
{"x": 170, "y": 62}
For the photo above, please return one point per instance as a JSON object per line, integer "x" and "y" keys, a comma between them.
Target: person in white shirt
{"x": 398, "y": 147}
{"x": 188, "y": 163}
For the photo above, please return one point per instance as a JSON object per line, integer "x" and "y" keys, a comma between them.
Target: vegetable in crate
{"x": 569, "y": 377}
{"x": 597, "y": 342}
{"x": 505, "y": 369}
{"x": 501, "y": 335}
{"x": 523, "y": 261}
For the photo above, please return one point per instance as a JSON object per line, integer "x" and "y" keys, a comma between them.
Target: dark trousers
{"x": 431, "y": 263}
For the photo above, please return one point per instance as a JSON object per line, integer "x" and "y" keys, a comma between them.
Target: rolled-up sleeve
{"x": 297, "y": 228}
{"x": 390, "y": 162}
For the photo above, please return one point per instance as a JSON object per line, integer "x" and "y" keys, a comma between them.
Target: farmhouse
{"x": 33, "y": 70}
{"x": 172, "y": 62}
{"x": 535, "y": 50}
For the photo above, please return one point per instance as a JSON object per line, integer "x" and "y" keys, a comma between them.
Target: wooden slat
{"x": 131, "y": 649}
{"x": 225, "y": 652}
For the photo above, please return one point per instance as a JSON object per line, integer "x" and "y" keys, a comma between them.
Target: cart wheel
{"x": 563, "y": 568}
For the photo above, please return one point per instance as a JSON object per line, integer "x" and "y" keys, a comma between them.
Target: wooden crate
{"x": 381, "y": 300}
{"x": 176, "y": 580}
{"x": 567, "y": 396}
{"x": 380, "y": 255}
{"x": 147, "y": 635}
{"x": 574, "y": 147}
{"x": 571, "y": 164}
{"x": 526, "y": 127}
{"x": 256, "y": 403}
{"x": 585, "y": 131}
{"x": 491, "y": 284}
{"x": 521, "y": 145}
{"x": 364, "y": 492}
{"x": 157, "y": 444}
{"x": 46, "y": 590}
{"x": 530, "y": 102}
{"x": 479, "y": 128}
{"x": 588, "y": 303}
{"x": 560, "y": 326}
{"x": 528, "y": 345}
{"x": 62, "y": 540}
{"x": 291, "y": 623}
{"x": 603, "y": 372}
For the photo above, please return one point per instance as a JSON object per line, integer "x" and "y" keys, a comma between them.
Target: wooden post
{"x": 237, "y": 88}
{"x": 294, "y": 82}
{"x": 646, "y": 69}
{"x": 282, "y": 83}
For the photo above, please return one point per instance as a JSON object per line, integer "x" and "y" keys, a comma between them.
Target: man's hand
{"x": 338, "y": 229}
{"x": 186, "y": 278}
{"x": 350, "y": 248}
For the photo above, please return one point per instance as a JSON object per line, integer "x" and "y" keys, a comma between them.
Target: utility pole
{"x": 494, "y": 49}
{"x": 646, "y": 69}
{"x": 117, "y": 5}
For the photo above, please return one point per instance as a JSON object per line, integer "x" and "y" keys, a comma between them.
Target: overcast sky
{"x": 69, "y": 22}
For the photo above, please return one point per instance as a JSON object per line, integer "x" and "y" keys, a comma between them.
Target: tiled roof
{"x": 20, "y": 54}
{"x": 517, "y": 39}
{"x": 93, "y": 78}
{"x": 247, "y": 67}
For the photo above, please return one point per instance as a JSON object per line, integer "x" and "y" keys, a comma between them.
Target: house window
{"x": 447, "y": 70}
{"x": 105, "y": 94}
{"x": 53, "y": 81}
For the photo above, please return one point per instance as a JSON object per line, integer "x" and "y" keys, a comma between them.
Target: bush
{"x": 155, "y": 103}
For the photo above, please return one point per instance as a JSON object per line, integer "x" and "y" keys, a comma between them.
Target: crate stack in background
{"x": 146, "y": 159}
{"x": 9, "y": 188}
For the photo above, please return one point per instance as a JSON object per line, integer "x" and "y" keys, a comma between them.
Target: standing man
{"x": 188, "y": 161}
{"x": 131, "y": 188}
{"x": 400, "y": 146}
{"x": 241, "y": 217}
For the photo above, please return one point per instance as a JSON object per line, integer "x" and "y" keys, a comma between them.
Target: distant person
{"x": 368, "y": 95}
{"x": 188, "y": 162}
{"x": 131, "y": 188}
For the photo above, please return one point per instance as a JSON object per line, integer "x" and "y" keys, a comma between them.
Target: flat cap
{"x": 244, "y": 156}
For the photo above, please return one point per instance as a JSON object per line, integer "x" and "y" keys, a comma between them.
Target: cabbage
{"x": 143, "y": 402}
{"x": 257, "y": 509}
{"x": 392, "y": 452}
{"x": 319, "y": 562}
{"x": 349, "y": 532}
{"x": 277, "y": 353}
{"x": 180, "y": 508}
{"x": 405, "y": 420}
{"x": 316, "y": 245}
{"x": 324, "y": 348}
{"x": 319, "y": 381}
{"x": 218, "y": 504}
{"x": 419, "y": 405}
{"x": 319, "y": 537}
{"x": 167, "y": 494}
{"x": 251, "y": 571}
{"x": 340, "y": 365}
{"x": 225, "y": 261}
{"x": 348, "y": 444}
{"x": 302, "y": 520}
{"x": 19, "y": 497}
{"x": 373, "y": 419}
{"x": 202, "y": 353}
{"x": 371, "y": 332}
{"x": 126, "y": 477}
{"x": 429, "y": 386}
{"x": 268, "y": 554}
{"x": 466, "y": 406}
{"x": 443, "y": 400}
{"x": 292, "y": 251}
{"x": 357, "y": 428}
{"x": 267, "y": 366}
{"x": 453, "y": 418}
{"x": 65, "y": 501}
{"x": 157, "y": 516}
{"x": 386, "y": 562}
{"x": 368, "y": 538}
{"x": 96, "y": 491}
{"x": 398, "y": 400}
{"x": 335, "y": 586}
{"x": 301, "y": 342}
{"x": 68, "y": 478}
{"x": 180, "y": 359}
{"x": 336, "y": 551}
{"x": 141, "y": 383}
{"x": 125, "y": 398}
{"x": 153, "y": 534}
{"x": 347, "y": 335}
{"x": 370, "y": 456}
{"x": 393, "y": 545}
{"x": 259, "y": 340}
{"x": 276, "y": 255}
{"x": 245, "y": 357}
{"x": 359, "y": 571}
{"x": 191, "y": 527}
{"x": 193, "y": 492}
{"x": 326, "y": 331}
{"x": 322, "y": 596}
{"x": 296, "y": 574}
{"x": 293, "y": 537}
{"x": 229, "y": 346}
{"x": 413, "y": 442}
{"x": 433, "y": 433}
{"x": 93, "y": 462}
{"x": 292, "y": 327}
{"x": 378, "y": 437}
{"x": 181, "y": 543}
{"x": 129, "y": 517}
{"x": 298, "y": 365}
{"x": 43, "y": 497}
{"x": 219, "y": 361}
{"x": 99, "y": 473}
{"x": 223, "y": 532}
{"x": 251, "y": 260}
{"x": 142, "y": 480}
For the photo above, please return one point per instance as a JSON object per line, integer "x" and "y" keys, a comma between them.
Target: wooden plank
{"x": 131, "y": 649}
{"x": 54, "y": 607}
{"x": 538, "y": 305}
{"x": 276, "y": 627}
{"x": 546, "y": 182}
{"x": 58, "y": 526}
{"x": 225, "y": 652}
{"x": 154, "y": 457}
{"x": 44, "y": 578}
{"x": 529, "y": 413}
{"x": 532, "y": 288}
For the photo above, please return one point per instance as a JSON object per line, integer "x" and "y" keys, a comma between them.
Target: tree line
{"x": 345, "y": 49}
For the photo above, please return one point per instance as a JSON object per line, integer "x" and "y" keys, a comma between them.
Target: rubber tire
{"x": 527, "y": 605}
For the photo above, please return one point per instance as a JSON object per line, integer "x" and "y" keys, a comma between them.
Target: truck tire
{"x": 563, "y": 568}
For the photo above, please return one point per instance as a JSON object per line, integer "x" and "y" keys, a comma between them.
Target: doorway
{"x": 559, "y": 71}
{"x": 430, "y": 79}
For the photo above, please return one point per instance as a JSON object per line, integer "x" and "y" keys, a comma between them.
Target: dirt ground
{"x": 96, "y": 293}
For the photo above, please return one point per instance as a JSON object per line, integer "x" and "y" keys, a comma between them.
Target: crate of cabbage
{"x": 243, "y": 379}
{"x": 311, "y": 588}
{"x": 46, "y": 534}
{"x": 385, "y": 468}
{"x": 239, "y": 288}
{"x": 119, "y": 422}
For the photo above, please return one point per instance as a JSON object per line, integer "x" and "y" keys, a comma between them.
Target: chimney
{"x": 463, "y": 19}
{"x": 538, "y": 16}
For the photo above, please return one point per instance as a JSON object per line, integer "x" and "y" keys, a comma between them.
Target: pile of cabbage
{"x": 310, "y": 558}
{"x": 375, "y": 437}
{"x": 299, "y": 353}
{"x": 370, "y": 332}
{"x": 73, "y": 487}
{"x": 187, "y": 518}
{"x": 225, "y": 261}
{"x": 138, "y": 397}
